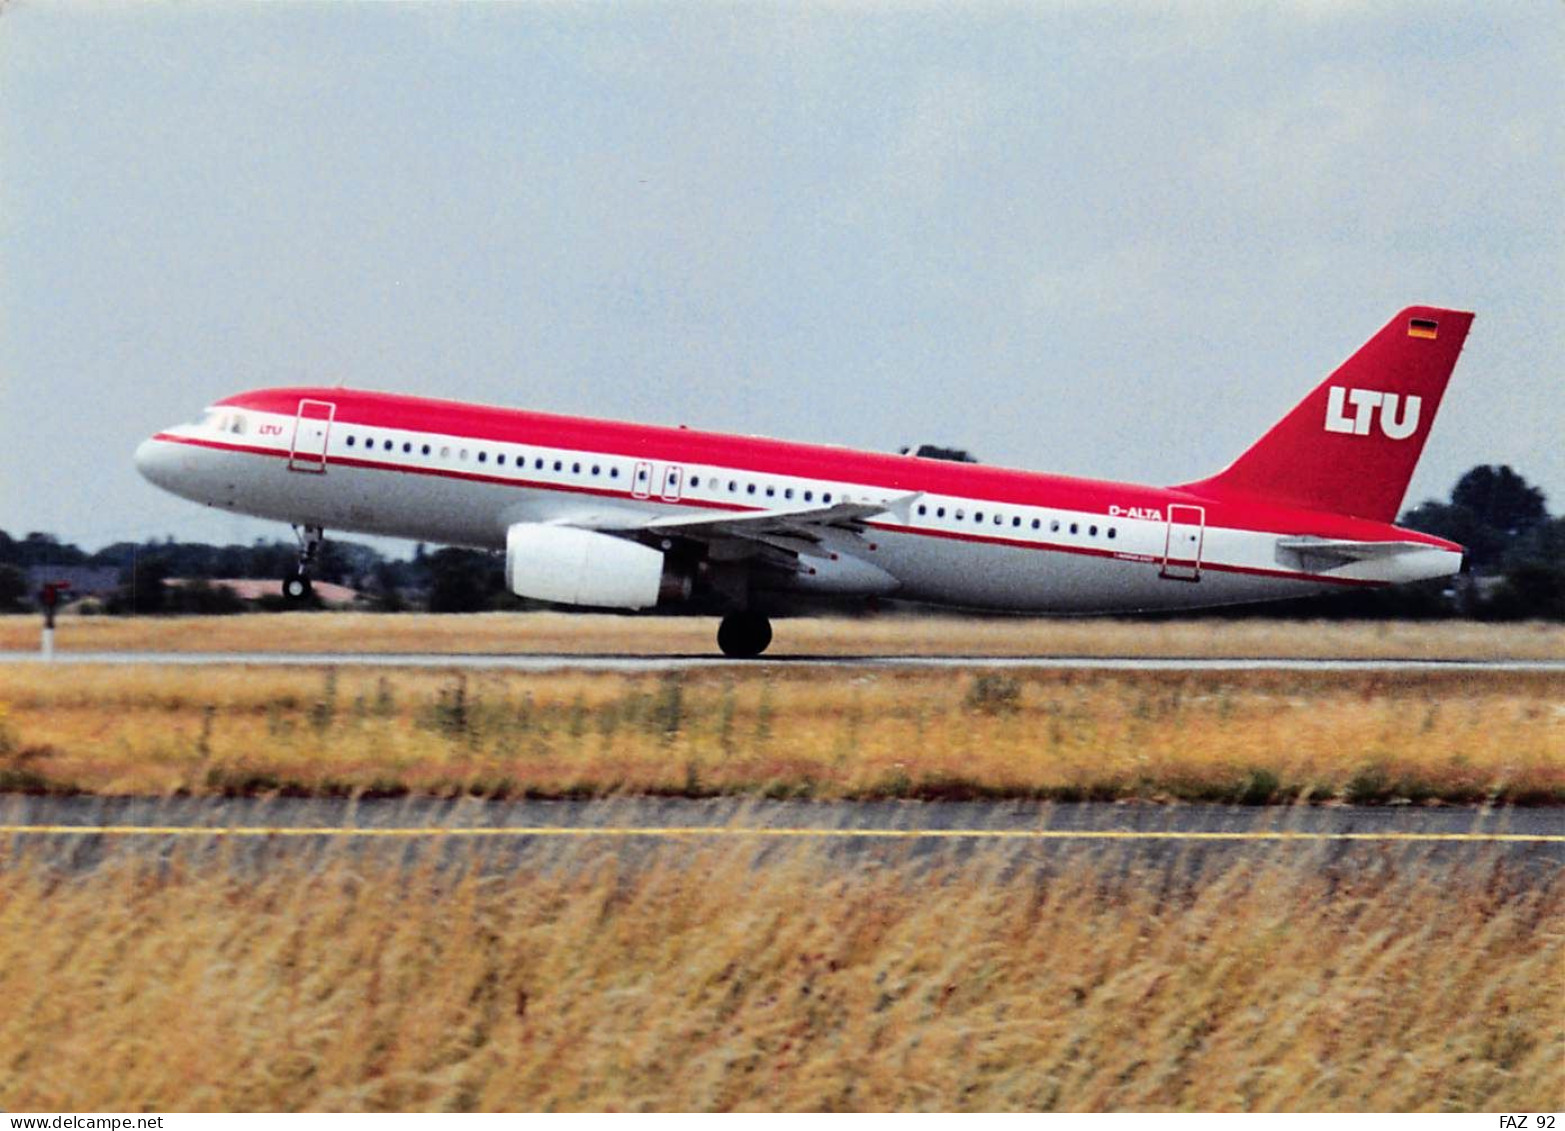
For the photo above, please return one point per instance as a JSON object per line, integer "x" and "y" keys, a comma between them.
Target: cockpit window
{"x": 223, "y": 420}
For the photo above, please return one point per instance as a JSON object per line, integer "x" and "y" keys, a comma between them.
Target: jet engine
{"x": 571, "y": 566}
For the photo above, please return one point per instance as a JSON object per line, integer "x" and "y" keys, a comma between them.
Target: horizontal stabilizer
{"x": 1328, "y": 553}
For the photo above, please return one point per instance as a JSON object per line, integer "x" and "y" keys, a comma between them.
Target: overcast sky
{"x": 1105, "y": 239}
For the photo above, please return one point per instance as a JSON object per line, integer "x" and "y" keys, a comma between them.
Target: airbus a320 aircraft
{"x": 628, "y": 516}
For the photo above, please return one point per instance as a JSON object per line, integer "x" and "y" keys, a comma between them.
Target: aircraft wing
{"x": 798, "y": 530}
{"x": 809, "y": 548}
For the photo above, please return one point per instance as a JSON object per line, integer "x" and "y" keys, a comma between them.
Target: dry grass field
{"x": 1242, "y": 736}
{"x": 886, "y": 635}
{"x": 706, "y": 977}
{"x": 700, "y": 980}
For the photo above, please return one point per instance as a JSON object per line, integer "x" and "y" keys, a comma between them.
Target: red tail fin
{"x": 1351, "y": 445}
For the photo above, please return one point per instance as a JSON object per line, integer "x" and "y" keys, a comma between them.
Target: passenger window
{"x": 940, "y": 512}
{"x": 1092, "y": 531}
{"x": 445, "y": 452}
{"x": 538, "y": 464}
{"x": 809, "y": 496}
{"x": 1016, "y": 522}
{"x": 922, "y": 509}
{"x": 596, "y": 469}
{"x": 788, "y": 494}
{"x": 575, "y": 469}
{"x": 1036, "y": 524}
{"x": 613, "y": 473}
{"x": 407, "y": 449}
{"x": 350, "y": 441}
{"x": 695, "y": 480}
{"x": 750, "y": 490}
{"x": 1074, "y": 528}
{"x": 387, "y": 445}
{"x": 1054, "y": 527}
{"x": 462, "y": 454}
{"x": 500, "y": 459}
{"x": 483, "y": 457}
{"x": 1112, "y": 532}
{"x": 426, "y": 449}
{"x": 559, "y": 465}
{"x": 978, "y": 516}
{"x": 771, "y": 492}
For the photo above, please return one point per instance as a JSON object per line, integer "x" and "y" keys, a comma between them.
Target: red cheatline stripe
{"x": 949, "y": 535}
{"x": 762, "y": 456}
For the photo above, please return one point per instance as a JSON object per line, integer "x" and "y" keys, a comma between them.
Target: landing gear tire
{"x": 297, "y": 588}
{"x": 744, "y": 635}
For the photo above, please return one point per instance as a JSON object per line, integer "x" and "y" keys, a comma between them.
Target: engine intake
{"x": 571, "y": 566}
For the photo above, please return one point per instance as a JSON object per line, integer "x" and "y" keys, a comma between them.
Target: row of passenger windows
{"x": 734, "y": 486}
{"x": 770, "y": 490}
{"x": 539, "y": 463}
{"x": 959, "y": 514}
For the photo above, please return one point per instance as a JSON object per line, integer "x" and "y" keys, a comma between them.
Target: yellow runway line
{"x": 690, "y": 832}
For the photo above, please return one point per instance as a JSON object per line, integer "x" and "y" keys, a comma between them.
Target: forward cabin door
{"x": 311, "y": 430}
{"x": 1182, "y": 550}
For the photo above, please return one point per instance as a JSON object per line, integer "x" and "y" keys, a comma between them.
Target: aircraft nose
{"x": 153, "y": 460}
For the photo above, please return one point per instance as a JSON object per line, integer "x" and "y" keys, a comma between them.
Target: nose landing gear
{"x": 296, "y": 586}
{"x": 744, "y": 636}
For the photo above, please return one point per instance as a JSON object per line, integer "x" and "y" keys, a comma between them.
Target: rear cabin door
{"x": 311, "y": 430}
{"x": 1182, "y": 551}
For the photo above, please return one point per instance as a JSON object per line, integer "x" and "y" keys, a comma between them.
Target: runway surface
{"x": 82, "y": 832}
{"x": 653, "y": 664}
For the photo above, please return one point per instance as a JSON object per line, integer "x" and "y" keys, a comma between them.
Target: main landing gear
{"x": 296, "y": 586}
{"x": 744, "y": 635}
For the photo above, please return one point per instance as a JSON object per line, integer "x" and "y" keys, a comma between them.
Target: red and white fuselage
{"x": 1308, "y": 508}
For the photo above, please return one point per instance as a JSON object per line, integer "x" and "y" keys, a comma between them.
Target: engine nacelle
{"x": 572, "y": 566}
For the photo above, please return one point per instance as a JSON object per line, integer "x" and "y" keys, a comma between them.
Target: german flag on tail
{"x": 1423, "y": 328}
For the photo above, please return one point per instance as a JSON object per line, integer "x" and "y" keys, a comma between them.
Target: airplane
{"x": 615, "y": 515}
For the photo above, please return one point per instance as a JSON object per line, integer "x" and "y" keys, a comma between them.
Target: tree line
{"x": 445, "y": 580}
{"x": 1516, "y": 567}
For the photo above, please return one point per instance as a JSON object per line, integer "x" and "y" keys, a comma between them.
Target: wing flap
{"x": 799, "y": 531}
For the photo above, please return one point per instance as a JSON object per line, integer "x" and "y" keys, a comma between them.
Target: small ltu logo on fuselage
{"x": 1398, "y": 417}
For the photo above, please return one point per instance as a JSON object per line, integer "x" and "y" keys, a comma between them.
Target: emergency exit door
{"x": 673, "y": 482}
